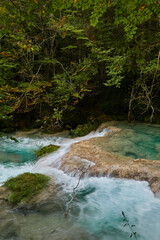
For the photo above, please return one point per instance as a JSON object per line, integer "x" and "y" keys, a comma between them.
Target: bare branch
{"x": 25, "y": 92}
{"x": 83, "y": 171}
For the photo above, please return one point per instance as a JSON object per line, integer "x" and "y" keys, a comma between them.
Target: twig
{"x": 146, "y": 95}
{"x": 74, "y": 191}
{"x": 64, "y": 70}
{"x": 25, "y": 92}
{"x": 133, "y": 234}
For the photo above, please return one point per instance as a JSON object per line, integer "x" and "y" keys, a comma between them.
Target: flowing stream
{"x": 97, "y": 211}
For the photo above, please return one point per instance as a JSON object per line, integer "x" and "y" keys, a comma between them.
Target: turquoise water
{"x": 19, "y": 157}
{"x": 135, "y": 141}
{"x": 96, "y": 213}
{"x": 102, "y": 200}
{"x": 14, "y": 154}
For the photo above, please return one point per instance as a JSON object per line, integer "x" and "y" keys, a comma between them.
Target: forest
{"x": 66, "y": 62}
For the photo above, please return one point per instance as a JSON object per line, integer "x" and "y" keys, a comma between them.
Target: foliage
{"x": 32, "y": 40}
{"x": 55, "y": 53}
{"x": 25, "y": 186}
{"x": 82, "y": 130}
{"x": 45, "y": 150}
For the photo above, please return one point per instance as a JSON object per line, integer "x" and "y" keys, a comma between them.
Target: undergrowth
{"x": 84, "y": 129}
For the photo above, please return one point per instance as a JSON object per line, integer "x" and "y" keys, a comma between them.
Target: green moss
{"x": 84, "y": 129}
{"x": 13, "y": 139}
{"x": 25, "y": 186}
{"x": 47, "y": 149}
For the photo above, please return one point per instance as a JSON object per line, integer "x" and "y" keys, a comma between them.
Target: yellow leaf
{"x": 75, "y": 1}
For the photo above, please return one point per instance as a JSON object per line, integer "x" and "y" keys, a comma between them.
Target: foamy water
{"x": 96, "y": 211}
{"x": 48, "y": 163}
{"x": 18, "y": 157}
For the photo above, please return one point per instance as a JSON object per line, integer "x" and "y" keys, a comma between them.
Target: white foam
{"x": 53, "y": 160}
{"x": 28, "y": 142}
{"x": 104, "y": 199}
{"x": 100, "y": 201}
{"x": 49, "y": 164}
{"x": 12, "y": 170}
{"x": 12, "y": 154}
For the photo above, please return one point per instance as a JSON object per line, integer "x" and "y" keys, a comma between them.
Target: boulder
{"x": 44, "y": 201}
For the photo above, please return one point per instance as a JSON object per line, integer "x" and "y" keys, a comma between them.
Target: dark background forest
{"x": 64, "y": 63}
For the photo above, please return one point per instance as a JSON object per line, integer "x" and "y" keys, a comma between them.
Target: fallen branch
{"x": 133, "y": 234}
{"x": 83, "y": 171}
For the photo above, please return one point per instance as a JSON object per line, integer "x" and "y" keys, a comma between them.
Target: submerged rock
{"x": 9, "y": 229}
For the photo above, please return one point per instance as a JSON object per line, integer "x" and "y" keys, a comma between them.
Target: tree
{"x": 56, "y": 52}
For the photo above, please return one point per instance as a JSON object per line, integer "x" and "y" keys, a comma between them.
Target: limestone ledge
{"x": 86, "y": 155}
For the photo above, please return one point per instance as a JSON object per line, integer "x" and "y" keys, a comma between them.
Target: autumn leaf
{"x": 142, "y": 7}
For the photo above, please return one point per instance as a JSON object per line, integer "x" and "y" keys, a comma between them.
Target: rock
{"x": 44, "y": 201}
{"x": 157, "y": 194}
{"x": 106, "y": 163}
{"x": 4, "y": 192}
{"x": 13, "y": 139}
{"x": 9, "y": 229}
{"x": 46, "y": 150}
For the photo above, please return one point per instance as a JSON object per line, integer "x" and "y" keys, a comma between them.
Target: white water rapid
{"x": 97, "y": 211}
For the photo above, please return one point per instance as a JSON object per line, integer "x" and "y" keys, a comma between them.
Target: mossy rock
{"x": 84, "y": 129}
{"x": 25, "y": 186}
{"x": 45, "y": 150}
{"x": 13, "y": 139}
